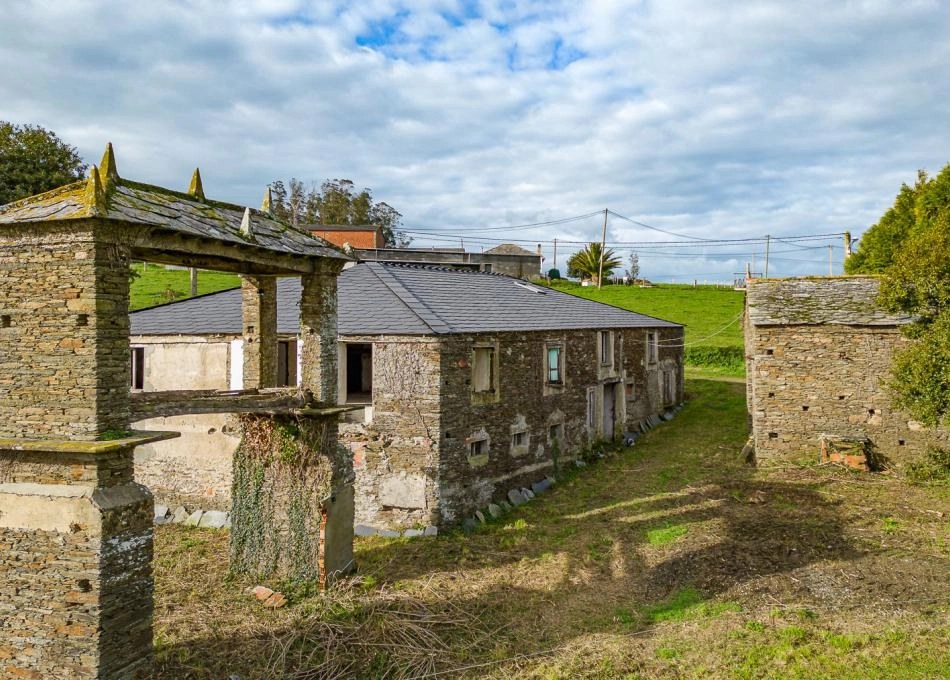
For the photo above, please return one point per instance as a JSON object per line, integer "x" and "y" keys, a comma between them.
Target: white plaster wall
{"x": 193, "y": 470}
{"x": 184, "y": 363}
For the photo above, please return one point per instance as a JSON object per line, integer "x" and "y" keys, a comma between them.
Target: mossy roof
{"x": 809, "y": 301}
{"x": 134, "y": 203}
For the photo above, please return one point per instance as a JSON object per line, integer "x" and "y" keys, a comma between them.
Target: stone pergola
{"x": 75, "y": 528}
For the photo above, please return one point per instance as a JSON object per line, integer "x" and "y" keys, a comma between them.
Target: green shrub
{"x": 933, "y": 466}
{"x": 732, "y": 358}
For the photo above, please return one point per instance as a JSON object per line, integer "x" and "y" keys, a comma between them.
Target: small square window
{"x": 478, "y": 447}
{"x": 519, "y": 440}
{"x": 554, "y": 369}
{"x": 556, "y": 432}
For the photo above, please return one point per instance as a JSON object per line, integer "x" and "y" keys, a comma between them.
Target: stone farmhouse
{"x": 463, "y": 385}
{"x": 818, "y": 352}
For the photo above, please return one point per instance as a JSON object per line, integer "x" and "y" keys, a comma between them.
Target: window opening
{"x": 359, "y": 373}
{"x": 653, "y": 350}
{"x": 137, "y": 368}
{"x": 483, "y": 369}
{"x": 554, "y": 368}
{"x": 519, "y": 439}
{"x": 606, "y": 347}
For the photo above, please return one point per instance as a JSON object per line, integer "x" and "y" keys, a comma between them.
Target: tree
{"x": 336, "y": 202}
{"x": 34, "y": 160}
{"x": 916, "y": 282}
{"x": 634, "y": 266}
{"x": 585, "y": 264}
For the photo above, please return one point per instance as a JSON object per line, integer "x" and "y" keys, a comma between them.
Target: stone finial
{"x": 195, "y": 188}
{"x": 95, "y": 195}
{"x": 246, "y": 223}
{"x": 267, "y": 204}
{"x": 108, "y": 171}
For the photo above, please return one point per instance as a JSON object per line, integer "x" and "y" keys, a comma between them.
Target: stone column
{"x": 259, "y": 313}
{"x": 64, "y": 332}
{"x": 75, "y": 561}
{"x": 318, "y": 332}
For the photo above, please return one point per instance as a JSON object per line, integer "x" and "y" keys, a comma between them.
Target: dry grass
{"x": 780, "y": 573}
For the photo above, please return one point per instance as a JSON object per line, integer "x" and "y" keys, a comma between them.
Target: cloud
{"x": 705, "y": 119}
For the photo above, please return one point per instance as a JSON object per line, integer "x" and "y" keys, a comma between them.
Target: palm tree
{"x": 585, "y": 263}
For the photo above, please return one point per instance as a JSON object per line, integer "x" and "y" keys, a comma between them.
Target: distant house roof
{"x": 808, "y": 301}
{"x": 510, "y": 249}
{"x": 392, "y": 299}
{"x": 107, "y": 196}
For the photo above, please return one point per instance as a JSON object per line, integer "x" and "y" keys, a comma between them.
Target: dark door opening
{"x": 610, "y": 410}
{"x": 359, "y": 373}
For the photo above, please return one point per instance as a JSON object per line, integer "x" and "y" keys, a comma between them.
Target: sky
{"x": 475, "y": 120}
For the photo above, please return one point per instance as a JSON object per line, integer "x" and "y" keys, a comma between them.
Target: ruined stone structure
{"x": 818, "y": 354}
{"x": 452, "y": 375}
{"x": 75, "y": 527}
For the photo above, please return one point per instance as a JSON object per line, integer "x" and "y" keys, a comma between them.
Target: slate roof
{"x": 378, "y": 298}
{"x": 116, "y": 198}
{"x": 509, "y": 249}
{"x": 840, "y": 300}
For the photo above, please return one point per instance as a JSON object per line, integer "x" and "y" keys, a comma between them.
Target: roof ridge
{"x": 435, "y": 323}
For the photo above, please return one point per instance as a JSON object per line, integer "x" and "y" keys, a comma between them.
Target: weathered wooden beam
{"x": 190, "y": 402}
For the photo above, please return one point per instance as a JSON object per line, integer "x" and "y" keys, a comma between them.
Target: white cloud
{"x": 732, "y": 121}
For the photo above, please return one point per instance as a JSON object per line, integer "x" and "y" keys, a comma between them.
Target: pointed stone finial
{"x": 267, "y": 203}
{"x": 246, "y": 223}
{"x": 195, "y": 188}
{"x": 95, "y": 196}
{"x": 108, "y": 172}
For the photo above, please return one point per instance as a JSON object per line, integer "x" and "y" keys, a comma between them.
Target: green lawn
{"x": 156, "y": 284}
{"x": 669, "y": 559}
{"x": 712, "y": 316}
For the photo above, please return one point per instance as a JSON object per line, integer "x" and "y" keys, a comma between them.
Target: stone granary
{"x": 75, "y": 527}
{"x": 467, "y": 384}
{"x": 818, "y": 353}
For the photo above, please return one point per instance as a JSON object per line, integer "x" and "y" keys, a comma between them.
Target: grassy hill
{"x": 156, "y": 285}
{"x": 712, "y": 317}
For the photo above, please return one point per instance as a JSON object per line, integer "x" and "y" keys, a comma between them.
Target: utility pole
{"x": 767, "y": 239}
{"x": 830, "y": 265}
{"x": 603, "y": 246}
{"x": 847, "y": 245}
{"x": 555, "y": 254}
{"x": 193, "y": 279}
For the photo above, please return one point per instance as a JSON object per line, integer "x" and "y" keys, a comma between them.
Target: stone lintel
{"x": 133, "y": 438}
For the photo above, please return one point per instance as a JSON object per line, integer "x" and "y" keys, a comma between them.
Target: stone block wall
{"x": 75, "y": 564}
{"x": 396, "y": 455}
{"x": 526, "y": 405}
{"x": 63, "y": 331}
{"x": 818, "y": 357}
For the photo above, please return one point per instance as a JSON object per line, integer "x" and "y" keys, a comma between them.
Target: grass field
{"x": 156, "y": 284}
{"x": 712, "y": 317}
{"x": 670, "y": 559}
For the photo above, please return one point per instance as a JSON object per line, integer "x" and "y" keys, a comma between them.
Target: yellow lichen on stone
{"x": 94, "y": 197}
{"x": 107, "y": 168}
{"x": 194, "y": 188}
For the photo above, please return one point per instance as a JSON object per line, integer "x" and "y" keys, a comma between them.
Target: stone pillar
{"x": 292, "y": 499}
{"x": 64, "y": 332}
{"x": 318, "y": 332}
{"x": 259, "y": 313}
{"x": 75, "y": 561}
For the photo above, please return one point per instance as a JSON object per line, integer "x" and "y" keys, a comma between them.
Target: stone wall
{"x": 75, "y": 563}
{"x": 63, "y": 331}
{"x": 524, "y": 404}
{"x": 185, "y": 362}
{"x": 396, "y": 455}
{"x": 818, "y": 356}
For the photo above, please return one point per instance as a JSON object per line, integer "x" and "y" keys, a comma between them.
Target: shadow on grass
{"x": 575, "y": 561}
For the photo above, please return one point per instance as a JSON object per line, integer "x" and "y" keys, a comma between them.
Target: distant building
{"x": 358, "y": 236}
{"x": 466, "y": 385}
{"x": 508, "y": 259}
